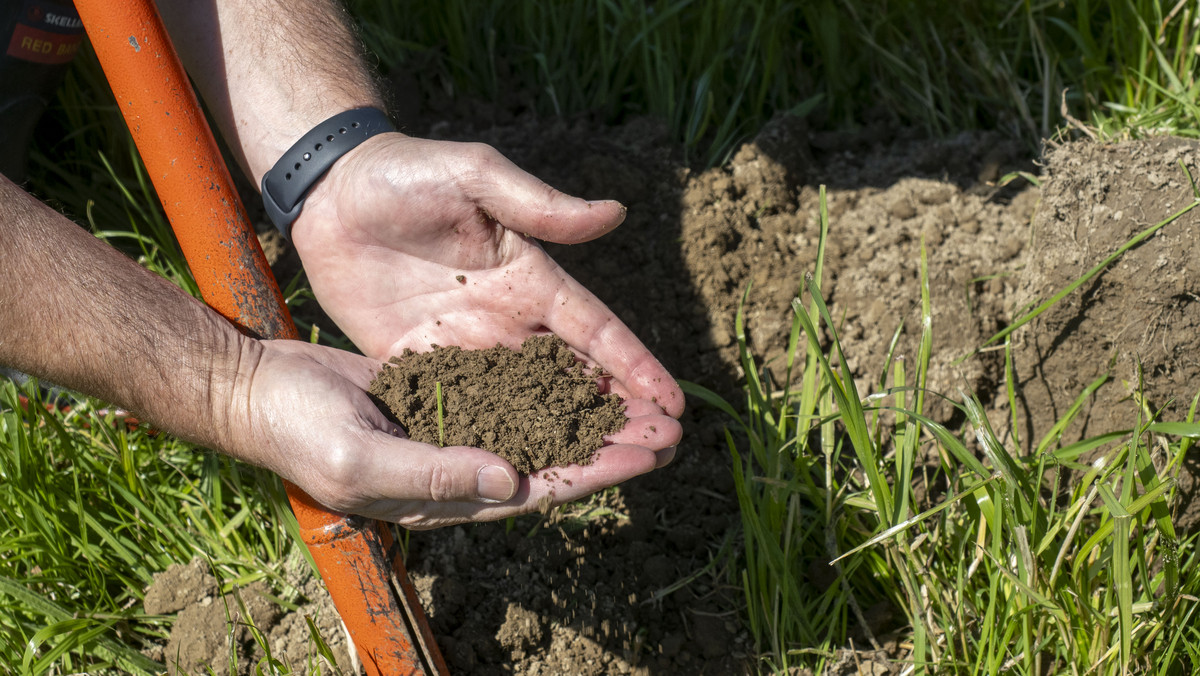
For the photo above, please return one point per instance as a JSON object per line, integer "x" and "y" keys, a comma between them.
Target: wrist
{"x": 205, "y": 373}
{"x": 229, "y": 400}
{"x": 287, "y": 185}
{"x": 339, "y": 196}
{"x": 265, "y": 145}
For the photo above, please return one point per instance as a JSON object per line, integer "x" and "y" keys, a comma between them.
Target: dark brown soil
{"x": 635, "y": 580}
{"x": 535, "y": 407}
{"x": 631, "y": 582}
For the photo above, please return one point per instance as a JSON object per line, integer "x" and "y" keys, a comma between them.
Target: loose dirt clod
{"x": 537, "y": 407}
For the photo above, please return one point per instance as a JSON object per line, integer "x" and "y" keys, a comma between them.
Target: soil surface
{"x": 636, "y": 580}
{"x": 535, "y": 407}
{"x": 210, "y": 626}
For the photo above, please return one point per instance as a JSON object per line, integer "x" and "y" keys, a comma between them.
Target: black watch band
{"x": 286, "y": 185}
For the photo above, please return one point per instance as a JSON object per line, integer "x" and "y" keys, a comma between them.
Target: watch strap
{"x": 286, "y": 185}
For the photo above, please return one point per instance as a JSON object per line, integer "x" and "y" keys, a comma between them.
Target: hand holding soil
{"x": 303, "y": 412}
{"x": 409, "y": 243}
{"x": 537, "y": 408}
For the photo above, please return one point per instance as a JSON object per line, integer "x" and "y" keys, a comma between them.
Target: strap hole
{"x": 317, "y": 147}
{"x": 297, "y": 167}
{"x": 287, "y": 177}
{"x": 354, "y": 124}
{"x": 342, "y": 130}
{"x": 329, "y": 138}
{"x": 307, "y": 156}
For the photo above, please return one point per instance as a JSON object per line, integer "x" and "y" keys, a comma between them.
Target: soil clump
{"x": 535, "y": 407}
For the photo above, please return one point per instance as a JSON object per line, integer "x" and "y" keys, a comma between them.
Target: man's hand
{"x": 74, "y": 310}
{"x": 409, "y": 242}
{"x": 303, "y": 412}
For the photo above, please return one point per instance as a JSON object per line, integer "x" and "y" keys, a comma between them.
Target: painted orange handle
{"x": 357, "y": 558}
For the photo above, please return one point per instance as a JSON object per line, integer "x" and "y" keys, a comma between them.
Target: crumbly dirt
{"x": 631, "y": 581}
{"x": 535, "y": 407}
{"x": 209, "y": 626}
{"x": 1139, "y": 320}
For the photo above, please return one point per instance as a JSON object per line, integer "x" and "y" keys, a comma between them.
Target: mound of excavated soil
{"x": 1142, "y": 310}
{"x": 592, "y": 589}
{"x": 535, "y": 407}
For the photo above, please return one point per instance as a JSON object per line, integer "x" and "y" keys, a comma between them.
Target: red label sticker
{"x": 39, "y": 46}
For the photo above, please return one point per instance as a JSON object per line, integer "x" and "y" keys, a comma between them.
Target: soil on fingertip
{"x": 535, "y": 407}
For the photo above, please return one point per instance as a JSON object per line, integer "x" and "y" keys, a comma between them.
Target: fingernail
{"x": 494, "y": 484}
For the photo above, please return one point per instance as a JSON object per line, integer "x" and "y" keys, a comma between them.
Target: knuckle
{"x": 478, "y": 159}
{"x": 341, "y": 467}
{"x": 443, "y": 484}
{"x": 481, "y": 152}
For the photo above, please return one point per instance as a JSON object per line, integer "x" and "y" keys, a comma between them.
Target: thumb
{"x": 521, "y": 202}
{"x": 408, "y": 470}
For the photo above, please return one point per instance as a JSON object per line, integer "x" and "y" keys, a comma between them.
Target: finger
{"x": 658, "y": 432}
{"x": 610, "y": 466}
{"x": 650, "y": 431}
{"x": 579, "y": 318}
{"x": 549, "y": 487}
{"x": 635, "y": 408}
{"x": 400, "y": 469}
{"x": 521, "y": 202}
{"x": 664, "y": 457}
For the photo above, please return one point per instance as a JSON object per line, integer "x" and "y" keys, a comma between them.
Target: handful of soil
{"x": 537, "y": 407}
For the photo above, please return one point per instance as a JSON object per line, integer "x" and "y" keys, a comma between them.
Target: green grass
{"x": 1026, "y": 562}
{"x": 715, "y": 70}
{"x": 90, "y": 510}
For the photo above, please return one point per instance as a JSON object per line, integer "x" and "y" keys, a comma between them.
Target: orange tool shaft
{"x": 357, "y": 558}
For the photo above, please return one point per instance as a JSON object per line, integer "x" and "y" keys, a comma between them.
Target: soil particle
{"x": 537, "y": 407}
{"x": 178, "y": 587}
{"x": 713, "y": 634}
{"x": 522, "y": 629}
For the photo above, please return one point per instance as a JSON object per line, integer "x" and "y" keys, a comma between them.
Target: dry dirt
{"x": 535, "y": 407}
{"x": 619, "y": 584}
{"x": 210, "y": 626}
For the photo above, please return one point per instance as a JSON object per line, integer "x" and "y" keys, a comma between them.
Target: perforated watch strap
{"x": 286, "y": 185}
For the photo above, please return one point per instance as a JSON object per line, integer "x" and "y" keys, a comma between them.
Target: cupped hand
{"x": 302, "y": 411}
{"x": 409, "y": 242}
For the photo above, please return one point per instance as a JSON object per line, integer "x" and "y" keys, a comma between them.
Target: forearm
{"x": 270, "y": 70}
{"x": 76, "y": 312}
